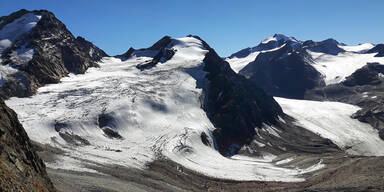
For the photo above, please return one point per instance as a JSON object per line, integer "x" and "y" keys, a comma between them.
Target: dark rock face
{"x": 379, "y": 49}
{"x": 372, "y": 113}
{"x": 367, "y": 75}
{"x": 21, "y": 169}
{"x": 56, "y": 53}
{"x": 242, "y": 112}
{"x": 107, "y": 123}
{"x": 233, "y": 104}
{"x": 162, "y": 56}
{"x": 329, "y": 46}
{"x": 162, "y": 53}
{"x": 284, "y": 72}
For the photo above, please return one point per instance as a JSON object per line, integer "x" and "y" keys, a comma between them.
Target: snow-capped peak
{"x": 279, "y": 37}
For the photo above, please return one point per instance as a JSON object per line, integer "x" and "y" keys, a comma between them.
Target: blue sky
{"x": 228, "y": 26}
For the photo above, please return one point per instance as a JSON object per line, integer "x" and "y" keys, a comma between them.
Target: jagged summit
{"x": 279, "y": 37}
{"x": 37, "y": 49}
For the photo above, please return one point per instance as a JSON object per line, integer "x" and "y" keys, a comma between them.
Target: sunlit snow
{"x": 333, "y": 120}
{"x": 157, "y": 112}
{"x": 357, "y": 48}
{"x": 335, "y": 68}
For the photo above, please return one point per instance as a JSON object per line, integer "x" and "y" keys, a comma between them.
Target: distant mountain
{"x": 37, "y": 49}
{"x": 297, "y": 66}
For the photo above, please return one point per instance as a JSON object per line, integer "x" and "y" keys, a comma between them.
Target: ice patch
{"x": 335, "y": 68}
{"x": 333, "y": 120}
{"x": 285, "y": 161}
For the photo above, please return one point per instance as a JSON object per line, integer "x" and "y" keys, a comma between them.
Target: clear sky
{"x": 228, "y": 26}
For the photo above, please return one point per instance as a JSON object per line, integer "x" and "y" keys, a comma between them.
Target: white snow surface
{"x": 361, "y": 48}
{"x": 333, "y": 120}
{"x": 157, "y": 112}
{"x": 239, "y": 63}
{"x": 18, "y": 27}
{"x": 335, "y": 68}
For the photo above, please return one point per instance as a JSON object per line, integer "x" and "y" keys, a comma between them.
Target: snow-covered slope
{"x": 156, "y": 111}
{"x": 15, "y": 29}
{"x": 333, "y": 120}
{"x": 335, "y": 68}
{"x": 239, "y": 63}
{"x": 361, "y": 48}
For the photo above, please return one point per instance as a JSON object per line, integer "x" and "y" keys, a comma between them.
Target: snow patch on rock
{"x": 18, "y": 27}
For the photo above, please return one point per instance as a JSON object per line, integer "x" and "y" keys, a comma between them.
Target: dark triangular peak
{"x": 233, "y": 104}
{"x": 159, "y": 52}
{"x": 241, "y": 111}
{"x": 285, "y": 72}
{"x": 41, "y": 53}
{"x": 379, "y": 49}
{"x": 367, "y": 75}
{"x": 161, "y": 44}
{"x": 328, "y": 46}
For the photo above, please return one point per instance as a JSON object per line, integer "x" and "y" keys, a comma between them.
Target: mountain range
{"x": 285, "y": 115}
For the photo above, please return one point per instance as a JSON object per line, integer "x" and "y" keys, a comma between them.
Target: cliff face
{"x": 234, "y": 104}
{"x": 42, "y": 54}
{"x": 20, "y": 167}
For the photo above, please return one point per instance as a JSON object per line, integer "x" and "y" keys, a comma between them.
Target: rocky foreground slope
{"x": 21, "y": 169}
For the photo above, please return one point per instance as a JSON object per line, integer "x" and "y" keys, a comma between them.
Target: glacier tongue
{"x": 333, "y": 120}
{"x": 156, "y": 111}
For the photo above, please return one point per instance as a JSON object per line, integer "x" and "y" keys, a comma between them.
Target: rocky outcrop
{"x": 328, "y": 46}
{"x": 370, "y": 74}
{"x": 372, "y": 113}
{"x": 285, "y": 72}
{"x": 379, "y": 49}
{"x": 160, "y": 53}
{"x": 21, "y": 169}
{"x": 56, "y": 52}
